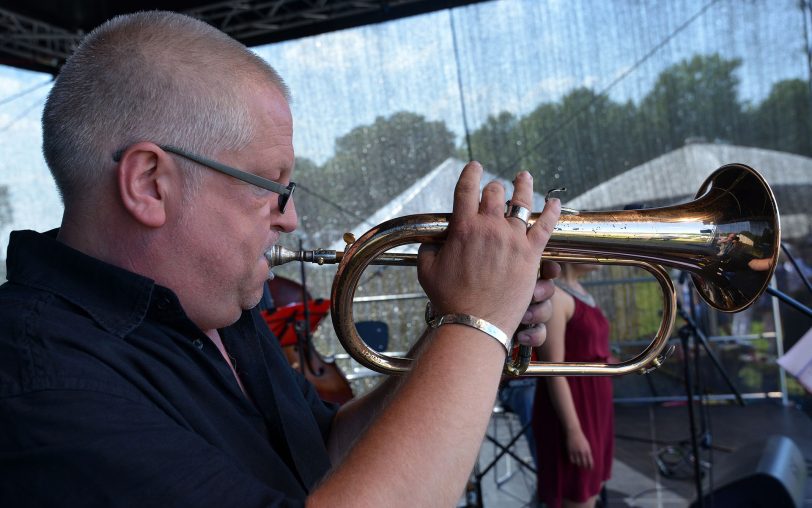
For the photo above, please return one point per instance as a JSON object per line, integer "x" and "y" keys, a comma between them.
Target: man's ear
{"x": 144, "y": 182}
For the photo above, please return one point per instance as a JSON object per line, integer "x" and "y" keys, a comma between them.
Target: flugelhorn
{"x": 727, "y": 239}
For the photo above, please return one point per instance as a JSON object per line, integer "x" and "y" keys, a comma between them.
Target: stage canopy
{"x": 40, "y": 34}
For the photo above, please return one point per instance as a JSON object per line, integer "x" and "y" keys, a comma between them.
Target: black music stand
{"x": 474, "y": 497}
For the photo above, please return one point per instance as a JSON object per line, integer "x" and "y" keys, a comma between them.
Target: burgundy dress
{"x": 586, "y": 340}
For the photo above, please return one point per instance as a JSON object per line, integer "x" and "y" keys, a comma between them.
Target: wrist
{"x": 480, "y": 324}
{"x": 572, "y": 430}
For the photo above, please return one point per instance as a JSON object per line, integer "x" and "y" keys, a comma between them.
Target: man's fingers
{"x": 550, "y": 269}
{"x": 544, "y": 225}
{"x": 538, "y": 313}
{"x": 544, "y": 290}
{"x": 493, "y": 199}
{"x": 466, "y": 193}
{"x": 522, "y": 196}
{"x": 533, "y": 336}
{"x": 523, "y": 190}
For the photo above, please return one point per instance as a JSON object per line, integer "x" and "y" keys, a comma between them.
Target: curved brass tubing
{"x": 728, "y": 239}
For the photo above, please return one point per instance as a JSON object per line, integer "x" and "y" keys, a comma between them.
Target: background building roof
{"x": 434, "y": 193}
{"x": 676, "y": 176}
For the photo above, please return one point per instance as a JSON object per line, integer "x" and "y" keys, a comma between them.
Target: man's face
{"x": 230, "y": 224}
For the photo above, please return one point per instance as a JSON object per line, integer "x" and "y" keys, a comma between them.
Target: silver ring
{"x": 517, "y": 212}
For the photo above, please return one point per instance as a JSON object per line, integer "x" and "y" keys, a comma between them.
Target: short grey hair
{"x": 150, "y": 76}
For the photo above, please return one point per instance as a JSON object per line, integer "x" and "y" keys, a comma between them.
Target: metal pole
{"x": 779, "y": 343}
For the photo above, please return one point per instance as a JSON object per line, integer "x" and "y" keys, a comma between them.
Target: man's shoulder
{"x": 19, "y": 306}
{"x": 44, "y": 343}
{"x": 29, "y": 309}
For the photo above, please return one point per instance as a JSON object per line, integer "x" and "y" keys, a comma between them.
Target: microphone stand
{"x": 691, "y": 330}
{"x": 684, "y": 334}
{"x": 304, "y": 332}
{"x": 700, "y": 338}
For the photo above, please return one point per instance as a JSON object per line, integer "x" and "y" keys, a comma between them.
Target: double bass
{"x": 293, "y": 318}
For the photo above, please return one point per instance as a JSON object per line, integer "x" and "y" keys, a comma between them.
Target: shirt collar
{"x": 115, "y": 298}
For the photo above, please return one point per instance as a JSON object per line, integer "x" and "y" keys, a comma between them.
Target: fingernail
{"x": 527, "y": 316}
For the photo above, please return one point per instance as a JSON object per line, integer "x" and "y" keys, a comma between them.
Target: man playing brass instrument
{"x": 134, "y": 369}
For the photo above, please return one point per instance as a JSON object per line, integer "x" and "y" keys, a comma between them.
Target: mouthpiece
{"x": 278, "y": 255}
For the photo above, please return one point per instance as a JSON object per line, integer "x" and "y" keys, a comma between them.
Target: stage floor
{"x": 642, "y": 433}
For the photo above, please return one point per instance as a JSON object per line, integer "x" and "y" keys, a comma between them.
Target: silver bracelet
{"x": 468, "y": 320}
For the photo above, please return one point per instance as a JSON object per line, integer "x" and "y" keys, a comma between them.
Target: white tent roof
{"x": 434, "y": 193}
{"x": 671, "y": 178}
{"x": 676, "y": 176}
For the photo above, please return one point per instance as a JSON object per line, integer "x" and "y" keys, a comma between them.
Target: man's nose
{"x": 289, "y": 220}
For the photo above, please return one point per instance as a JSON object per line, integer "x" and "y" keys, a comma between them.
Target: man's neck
{"x": 214, "y": 335}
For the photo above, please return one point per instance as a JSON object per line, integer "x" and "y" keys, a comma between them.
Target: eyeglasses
{"x": 285, "y": 193}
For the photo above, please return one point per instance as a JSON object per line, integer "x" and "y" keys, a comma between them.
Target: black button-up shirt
{"x": 110, "y": 395}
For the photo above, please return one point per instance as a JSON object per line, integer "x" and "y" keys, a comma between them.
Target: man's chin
{"x": 253, "y": 303}
{"x": 254, "y": 299}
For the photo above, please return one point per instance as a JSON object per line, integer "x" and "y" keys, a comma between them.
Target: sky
{"x": 509, "y": 55}
{"x": 512, "y": 55}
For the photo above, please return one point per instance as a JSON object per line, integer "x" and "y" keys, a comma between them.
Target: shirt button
{"x": 162, "y": 304}
{"x": 198, "y": 344}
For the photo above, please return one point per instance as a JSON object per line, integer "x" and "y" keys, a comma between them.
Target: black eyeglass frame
{"x": 285, "y": 192}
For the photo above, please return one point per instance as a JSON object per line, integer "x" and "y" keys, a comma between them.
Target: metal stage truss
{"x": 40, "y": 35}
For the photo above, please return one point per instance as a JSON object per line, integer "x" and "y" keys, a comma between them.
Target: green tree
{"x": 597, "y": 138}
{"x": 497, "y": 144}
{"x": 697, "y": 97}
{"x": 372, "y": 164}
{"x": 782, "y": 120}
{"x": 585, "y": 139}
{"x": 313, "y": 203}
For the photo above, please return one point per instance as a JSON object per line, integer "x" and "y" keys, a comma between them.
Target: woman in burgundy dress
{"x": 573, "y": 417}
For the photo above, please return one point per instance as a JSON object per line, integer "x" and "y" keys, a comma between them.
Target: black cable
{"x": 333, "y": 204}
{"x": 24, "y": 92}
{"x": 459, "y": 85}
{"x": 804, "y": 5}
{"x": 22, "y": 115}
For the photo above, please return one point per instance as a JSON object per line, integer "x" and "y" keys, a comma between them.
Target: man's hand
{"x": 534, "y": 331}
{"x": 488, "y": 265}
